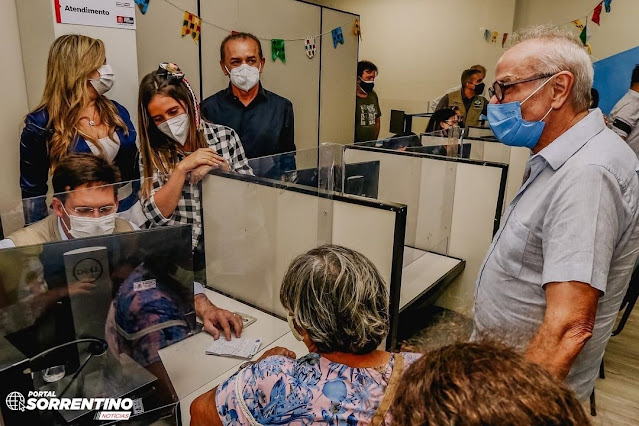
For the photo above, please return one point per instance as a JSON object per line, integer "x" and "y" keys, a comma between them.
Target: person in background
{"x": 442, "y": 120}
{"x": 448, "y": 386}
{"x": 88, "y": 210}
{"x": 625, "y": 114}
{"x": 435, "y": 101}
{"x": 559, "y": 266}
{"x": 263, "y": 119}
{"x": 337, "y": 305}
{"x": 468, "y": 99}
{"x": 178, "y": 148}
{"x": 74, "y": 115}
{"x": 367, "y": 111}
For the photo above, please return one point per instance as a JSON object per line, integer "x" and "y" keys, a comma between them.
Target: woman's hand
{"x": 201, "y": 157}
{"x": 199, "y": 172}
{"x": 278, "y": 350}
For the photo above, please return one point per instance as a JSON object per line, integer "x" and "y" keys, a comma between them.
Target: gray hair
{"x": 563, "y": 51}
{"x": 339, "y": 298}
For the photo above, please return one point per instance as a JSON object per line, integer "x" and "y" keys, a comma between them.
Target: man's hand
{"x": 215, "y": 318}
{"x": 278, "y": 350}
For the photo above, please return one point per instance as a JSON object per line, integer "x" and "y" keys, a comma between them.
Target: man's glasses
{"x": 499, "y": 89}
{"x": 88, "y": 211}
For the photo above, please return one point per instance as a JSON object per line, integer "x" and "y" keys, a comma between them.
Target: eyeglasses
{"x": 499, "y": 89}
{"x": 88, "y": 211}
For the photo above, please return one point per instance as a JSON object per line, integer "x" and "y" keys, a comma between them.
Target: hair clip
{"x": 171, "y": 71}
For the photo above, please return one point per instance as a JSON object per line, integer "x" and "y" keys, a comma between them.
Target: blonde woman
{"x": 75, "y": 116}
{"x": 177, "y": 149}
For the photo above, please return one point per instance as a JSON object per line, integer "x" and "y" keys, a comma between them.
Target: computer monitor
{"x": 397, "y": 121}
{"x": 360, "y": 179}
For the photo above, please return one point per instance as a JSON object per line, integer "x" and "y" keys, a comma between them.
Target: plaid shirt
{"x": 227, "y": 144}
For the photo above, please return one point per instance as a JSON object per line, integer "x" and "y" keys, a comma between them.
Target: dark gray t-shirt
{"x": 367, "y": 111}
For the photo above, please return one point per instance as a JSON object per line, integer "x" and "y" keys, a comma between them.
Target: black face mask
{"x": 479, "y": 88}
{"x": 367, "y": 86}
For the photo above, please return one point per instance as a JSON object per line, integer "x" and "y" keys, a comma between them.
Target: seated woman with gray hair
{"x": 337, "y": 304}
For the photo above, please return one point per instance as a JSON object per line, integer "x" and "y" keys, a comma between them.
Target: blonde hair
{"x": 158, "y": 151}
{"x": 72, "y": 58}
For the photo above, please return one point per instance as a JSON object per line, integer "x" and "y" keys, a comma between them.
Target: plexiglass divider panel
{"x": 89, "y": 316}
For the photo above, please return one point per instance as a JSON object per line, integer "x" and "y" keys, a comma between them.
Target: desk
{"x": 424, "y": 272}
{"x": 192, "y": 372}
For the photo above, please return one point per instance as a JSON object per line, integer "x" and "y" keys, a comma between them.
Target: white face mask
{"x": 82, "y": 227}
{"x": 177, "y": 128}
{"x": 105, "y": 82}
{"x": 291, "y": 325}
{"x": 244, "y": 77}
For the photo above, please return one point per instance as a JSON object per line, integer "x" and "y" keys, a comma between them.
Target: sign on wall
{"x": 97, "y": 13}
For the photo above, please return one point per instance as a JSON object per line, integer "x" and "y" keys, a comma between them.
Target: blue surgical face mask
{"x": 510, "y": 128}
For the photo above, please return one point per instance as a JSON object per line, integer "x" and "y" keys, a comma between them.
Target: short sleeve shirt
{"x": 625, "y": 118}
{"x": 574, "y": 219}
{"x": 367, "y": 111}
{"x": 310, "y": 390}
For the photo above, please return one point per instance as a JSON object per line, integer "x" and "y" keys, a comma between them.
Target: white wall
{"x": 618, "y": 31}
{"x": 13, "y": 106}
{"x": 421, "y": 47}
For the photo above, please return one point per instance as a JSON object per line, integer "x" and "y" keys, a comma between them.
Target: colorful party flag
{"x": 584, "y": 35}
{"x": 191, "y": 25}
{"x": 503, "y": 40}
{"x": 357, "y": 30}
{"x": 309, "y": 45}
{"x": 494, "y": 37}
{"x": 487, "y": 34}
{"x": 607, "y": 5}
{"x": 596, "y": 14}
{"x": 338, "y": 37}
{"x": 277, "y": 49}
{"x": 577, "y": 23}
{"x": 143, "y": 5}
{"x": 589, "y": 49}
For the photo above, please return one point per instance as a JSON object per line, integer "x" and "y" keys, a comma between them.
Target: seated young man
{"x": 84, "y": 204}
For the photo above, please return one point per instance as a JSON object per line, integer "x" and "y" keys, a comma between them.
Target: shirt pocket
{"x": 511, "y": 247}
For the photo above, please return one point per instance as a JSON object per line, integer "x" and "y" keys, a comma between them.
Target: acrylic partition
{"x": 454, "y": 204}
{"x": 87, "y": 317}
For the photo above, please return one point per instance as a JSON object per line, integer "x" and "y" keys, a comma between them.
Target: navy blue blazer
{"x": 35, "y": 161}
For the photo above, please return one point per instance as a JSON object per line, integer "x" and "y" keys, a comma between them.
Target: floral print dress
{"x": 310, "y": 390}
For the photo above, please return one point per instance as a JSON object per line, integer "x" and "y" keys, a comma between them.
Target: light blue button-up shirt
{"x": 575, "y": 218}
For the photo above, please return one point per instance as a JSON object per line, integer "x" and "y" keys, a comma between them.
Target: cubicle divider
{"x": 454, "y": 206}
{"x": 256, "y": 225}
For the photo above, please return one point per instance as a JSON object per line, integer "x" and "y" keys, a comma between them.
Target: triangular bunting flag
{"x": 338, "y": 37}
{"x": 577, "y": 23}
{"x": 277, "y": 49}
{"x": 503, "y": 40}
{"x": 143, "y": 5}
{"x": 607, "y": 5}
{"x": 596, "y": 14}
{"x": 357, "y": 29}
{"x": 487, "y": 34}
{"x": 589, "y": 49}
{"x": 191, "y": 25}
{"x": 310, "y": 47}
{"x": 584, "y": 35}
{"x": 493, "y": 39}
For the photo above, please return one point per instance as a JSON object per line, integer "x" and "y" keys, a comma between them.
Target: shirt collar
{"x": 571, "y": 141}
{"x": 260, "y": 94}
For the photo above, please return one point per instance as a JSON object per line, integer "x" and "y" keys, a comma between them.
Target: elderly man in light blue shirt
{"x": 559, "y": 266}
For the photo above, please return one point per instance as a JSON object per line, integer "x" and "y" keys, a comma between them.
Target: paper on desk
{"x": 239, "y": 347}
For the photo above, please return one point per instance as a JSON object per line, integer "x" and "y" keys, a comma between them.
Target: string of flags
{"x": 581, "y": 24}
{"x": 192, "y": 25}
